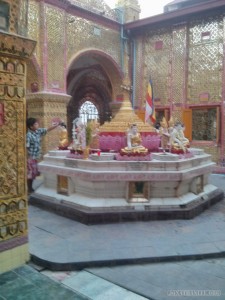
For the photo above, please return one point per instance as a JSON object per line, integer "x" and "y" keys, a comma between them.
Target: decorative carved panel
{"x": 13, "y": 204}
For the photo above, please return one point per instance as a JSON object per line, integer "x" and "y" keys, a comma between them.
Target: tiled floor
{"x": 29, "y": 283}
{"x": 25, "y": 283}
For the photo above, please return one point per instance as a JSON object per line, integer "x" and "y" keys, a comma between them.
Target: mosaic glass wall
{"x": 158, "y": 62}
{"x": 66, "y": 35}
{"x": 55, "y": 41}
{"x": 205, "y": 60}
{"x": 178, "y": 64}
{"x": 33, "y": 27}
{"x": 141, "y": 74}
{"x": 23, "y": 18}
{"x": 185, "y": 64}
{"x": 84, "y": 34}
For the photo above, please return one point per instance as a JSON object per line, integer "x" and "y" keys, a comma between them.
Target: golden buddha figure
{"x": 134, "y": 141}
{"x": 178, "y": 140}
{"x": 63, "y": 137}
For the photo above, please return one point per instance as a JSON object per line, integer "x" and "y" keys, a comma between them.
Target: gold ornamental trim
{"x": 16, "y": 46}
{"x": 50, "y": 97}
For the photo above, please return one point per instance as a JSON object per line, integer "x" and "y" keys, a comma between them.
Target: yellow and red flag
{"x": 149, "y": 108}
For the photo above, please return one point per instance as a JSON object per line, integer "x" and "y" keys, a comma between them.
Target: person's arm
{"x": 27, "y": 145}
{"x": 52, "y": 127}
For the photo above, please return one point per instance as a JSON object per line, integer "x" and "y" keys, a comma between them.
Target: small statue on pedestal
{"x": 164, "y": 133}
{"x": 134, "y": 141}
{"x": 178, "y": 141}
{"x": 79, "y": 135}
{"x": 63, "y": 137}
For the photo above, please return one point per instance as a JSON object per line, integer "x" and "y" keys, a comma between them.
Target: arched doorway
{"x": 88, "y": 111}
{"x": 89, "y": 82}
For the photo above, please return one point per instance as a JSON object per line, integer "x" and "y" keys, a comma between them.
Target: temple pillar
{"x": 14, "y": 52}
{"x": 44, "y": 107}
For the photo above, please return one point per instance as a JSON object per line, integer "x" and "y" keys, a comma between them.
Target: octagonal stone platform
{"x": 168, "y": 186}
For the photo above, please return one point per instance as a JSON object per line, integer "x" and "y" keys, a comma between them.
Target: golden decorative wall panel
{"x": 34, "y": 27}
{"x": 13, "y": 218}
{"x": 142, "y": 78}
{"x": 205, "y": 60}
{"x": 165, "y": 55}
{"x": 178, "y": 62}
{"x": 33, "y": 78}
{"x": 22, "y": 18}
{"x": 84, "y": 34}
{"x": 13, "y": 199}
{"x": 13, "y": 207}
{"x": 45, "y": 107}
{"x": 55, "y": 47}
{"x": 158, "y": 62}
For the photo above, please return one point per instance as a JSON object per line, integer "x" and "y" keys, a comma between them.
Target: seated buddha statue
{"x": 178, "y": 140}
{"x": 63, "y": 137}
{"x": 134, "y": 141}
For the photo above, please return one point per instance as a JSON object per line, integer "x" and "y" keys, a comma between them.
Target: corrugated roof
{"x": 176, "y": 2}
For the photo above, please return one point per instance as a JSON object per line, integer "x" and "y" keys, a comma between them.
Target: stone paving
{"x": 144, "y": 260}
{"x": 198, "y": 279}
{"x": 63, "y": 244}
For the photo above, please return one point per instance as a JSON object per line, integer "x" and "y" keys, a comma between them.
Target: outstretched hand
{"x": 55, "y": 123}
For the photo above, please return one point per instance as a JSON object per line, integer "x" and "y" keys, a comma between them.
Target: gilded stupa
{"x": 125, "y": 117}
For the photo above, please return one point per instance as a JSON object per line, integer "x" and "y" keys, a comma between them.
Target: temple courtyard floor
{"x": 171, "y": 259}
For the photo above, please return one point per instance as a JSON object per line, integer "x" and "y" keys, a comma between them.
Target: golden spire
{"x": 125, "y": 117}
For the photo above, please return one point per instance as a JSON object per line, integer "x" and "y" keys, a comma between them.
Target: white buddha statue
{"x": 134, "y": 141}
{"x": 178, "y": 140}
